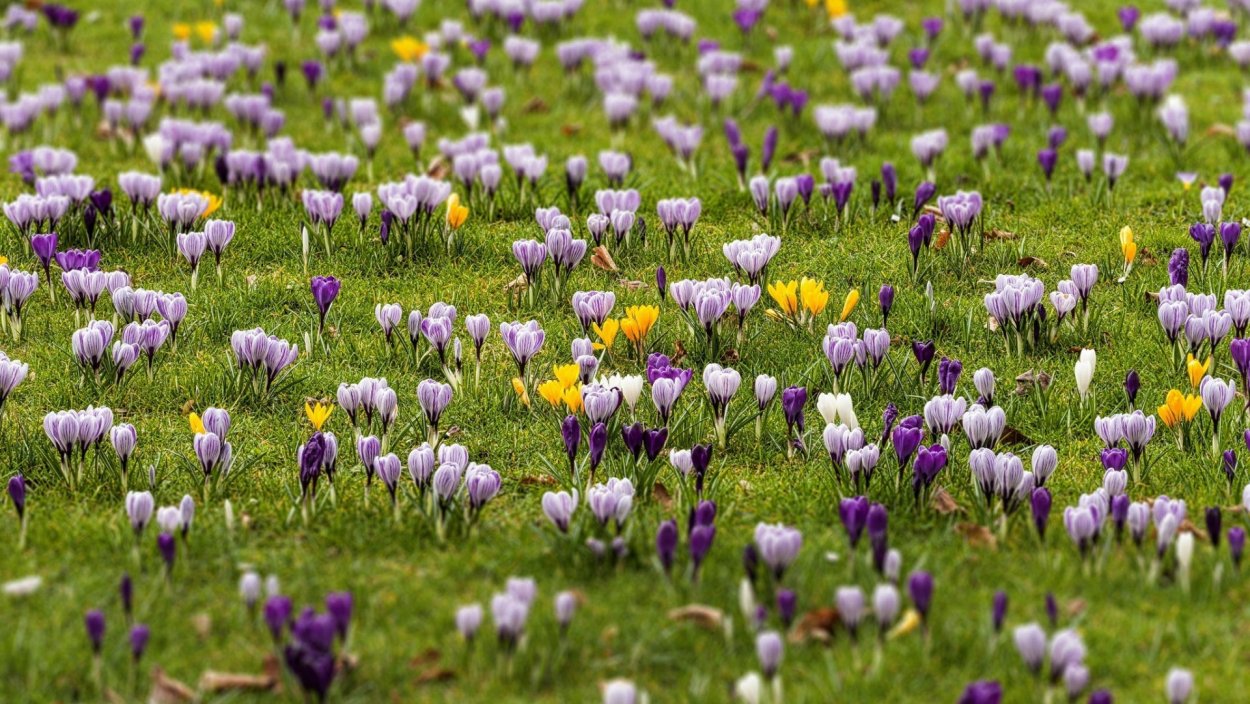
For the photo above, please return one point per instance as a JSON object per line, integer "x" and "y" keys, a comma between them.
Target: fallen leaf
{"x": 438, "y": 168}
{"x": 203, "y": 625}
{"x": 520, "y": 283}
{"x": 942, "y": 238}
{"x": 535, "y": 105}
{"x": 426, "y": 657}
{"x": 631, "y": 285}
{"x": 436, "y": 674}
{"x": 997, "y": 234}
{"x": 452, "y": 432}
{"x": 703, "y": 616}
{"x": 1013, "y": 436}
{"x": 1028, "y": 261}
{"x": 215, "y": 682}
{"x": 602, "y": 259}
{"x": 818, "y": 625}
{"x": 1074, "y": 607}
{"x": 660, "y": 492}
{"x": 1220, "y": 129}
{"x": 570, "y": 130}
{"x": 167, "y": 690}
{"x": 538, "y": 480}
{"x": 679, "y": 352}
{"x": 944, "y": 503}
{"x": 730, "y": 356}
{"x": 1024, "y": 382}
{"x": 1146, "y": 257}
{"x": 977, "y": 535}
{"x": 992, "y": 323}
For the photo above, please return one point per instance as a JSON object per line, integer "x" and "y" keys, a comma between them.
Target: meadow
{"x": 1147, "y": 620}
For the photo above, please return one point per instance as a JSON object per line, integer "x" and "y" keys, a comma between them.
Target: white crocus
{"x": 828, "y": 406}
{"x": 630, "y": 387}
{"x": 1085, "y": 372}
{"x": 750, "y": 688}
{"x": 835, "y": 408}
{"x": 1184, "y": 556}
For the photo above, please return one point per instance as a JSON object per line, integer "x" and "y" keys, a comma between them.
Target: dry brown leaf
{"x": 1027, "y": 261}
{"x": 977, "y": 535}
{"x": 203, "y": 625}
{"x": 997, "y": 234}
{"x": 426, "y": 657}
{"x": 1074, "y": 607}
{"x": 1024, "y": 382}
{"x": 520, "y": 283}
{"x": 438, "y": 168}
{"x": 1220, "y": 129}
{"x": 570, "y": 130}
{"x": 703, "y": 616}
{"x": 944, "y": 503}
{"x": 818, "y": 625}
{"x": 991, "y": 323}
{"x": 167, "y": 690}
{"x": 602, "y": 259}
{"x": 730, "y": 356}
{"x": 1013, "y": 436}
{"x": 436, "y": 674}
{"x": 1146, "y": 257}
{"x": 679, "y": 352}
{"x": 535, "y": 105}
{"x": 215, "y": 682}
{"x": 538, "y": 480}
{"x": 660, "y": 492}
{"x": 631, "y": 285}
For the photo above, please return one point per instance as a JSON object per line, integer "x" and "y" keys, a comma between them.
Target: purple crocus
{"x": 324, "y": 290}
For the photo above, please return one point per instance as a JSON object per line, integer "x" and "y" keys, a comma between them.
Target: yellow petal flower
{"x": 785, "y": 293}
{"x": 318, "y": 413}
{"x": 182, "y": 31}
{"x": 905, "y": 625}
{"x": 1193, "y": 404}
{"x": 1196, "y": 370}
{"x": 852, "y": 300}
{"x": 1173, "y": 409}
{"x": 519, "y": 387}
{"x": 456, "y": 213}
{"x": 835, "y": 8}
{"x": 3, "y": 260}
{"x": 1127, "y": 246}
{"x": 197, "y": 425}
{"x": 207, "y": 31}
{"x": 214, "y": 200}
{"x": 607, "y": 333}
{"x": 638, "y": 322}
{"x": 566, "y": 375}
{"x": 409, "y": 49}
{"x": 813, "y": 295}
{"x": 552, "y": 391}
{"x": 573, "y": 398}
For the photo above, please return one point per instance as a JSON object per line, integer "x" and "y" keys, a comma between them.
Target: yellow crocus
{"x": 409, "y": 49}
{"x": 835, "y": 8}
{"x": 785, "y": 293}
{"x": 813, "y": 295}
{"x": 207, "y": 31}
{"x": 519, "y": 387}
{"x": 3, "y": 260}
{"x": 214, "y": 200}
{"x": 606, "y": 332}
{"x": 456, "y": 213}
{"x": 197, "y": 425}
{"x": 573, "y": 399}
{"x": 908, "y": 623}
{"x": 1196, "y": 369}
{"x": 552, "y": 391}
{"x": 638, "y": 322}
{"x": 852, "y": 300}
{"x": 182, "y": 31}
{"x": 1127, "y": 246}
{"x": 566, "y": 375}
{"x": 1179, "y": 408}
{"x": 318, "y": 413}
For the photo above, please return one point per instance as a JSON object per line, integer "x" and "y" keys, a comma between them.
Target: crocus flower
{"x": 324, "y": 290}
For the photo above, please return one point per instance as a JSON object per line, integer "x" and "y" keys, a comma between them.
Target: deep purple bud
{"x": 126, "y": 589}
{"x": 920, "y": 588}
{"x": 666, "y": 543}
{"x": 572, "y": 432}
{"x": 999, "y": 611}
{"x": 787, "y": 602}
{"x": 17, "y": 492}
{"x": 1236, "y": 544}
{"x": 139, "y": 640}
{"x": 885, "y": 297}
{"x": 1052, "y": 610}
{"x": 1039, "y": 503}
{"x": 1132, "y": 384}
{"x": 661, "y": 282}
{"x": 277, "y": 615}
{"x": 94, "y": 621}
{"x": 1214, "y": 521}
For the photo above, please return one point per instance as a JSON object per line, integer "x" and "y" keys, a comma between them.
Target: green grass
{"x": 407, "y": 585}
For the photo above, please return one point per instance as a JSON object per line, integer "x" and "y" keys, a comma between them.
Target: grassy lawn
{"x": 407, "y": 581}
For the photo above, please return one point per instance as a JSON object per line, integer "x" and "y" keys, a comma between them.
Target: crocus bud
{"x": 94, "y": 621}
